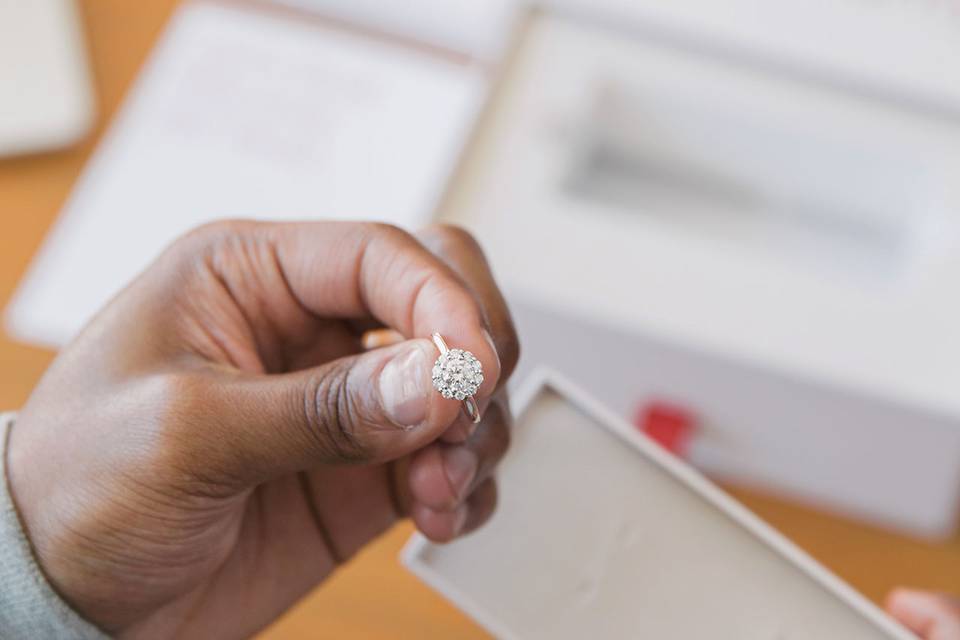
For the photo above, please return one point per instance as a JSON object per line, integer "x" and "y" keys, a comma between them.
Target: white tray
{"x": 600, "y": 533}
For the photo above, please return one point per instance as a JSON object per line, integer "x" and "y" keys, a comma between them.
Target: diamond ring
{"x": 457, "y": 374}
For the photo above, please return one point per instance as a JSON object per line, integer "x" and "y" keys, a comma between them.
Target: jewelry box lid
{"x": 600, "y": 533}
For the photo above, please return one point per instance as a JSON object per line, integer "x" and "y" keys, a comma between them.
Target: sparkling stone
{"x": 457, "y": 374}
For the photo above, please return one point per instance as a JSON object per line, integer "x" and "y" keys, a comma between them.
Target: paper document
{"x": 241, "y": 113}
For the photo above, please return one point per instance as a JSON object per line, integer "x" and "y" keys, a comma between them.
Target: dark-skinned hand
{"x": 218, "y": 440}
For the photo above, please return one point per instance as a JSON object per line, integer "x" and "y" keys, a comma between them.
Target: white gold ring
{"x": 457, "y": 374}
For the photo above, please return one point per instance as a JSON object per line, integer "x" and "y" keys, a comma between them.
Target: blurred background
{"x": 735, "y": 223}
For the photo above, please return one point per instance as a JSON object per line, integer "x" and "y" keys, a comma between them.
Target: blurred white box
{"x": 46, "y": 92}
{"x": 776, "y": 255}
{"x": 599, "y": 533}
{"x": 467, "y": 27}
{"x": 906, "y": 51}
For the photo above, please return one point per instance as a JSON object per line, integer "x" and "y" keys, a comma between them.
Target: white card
{"x": 241, "y": 113}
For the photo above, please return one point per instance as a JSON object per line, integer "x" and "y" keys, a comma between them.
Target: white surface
{"x": 241, "y": 114}
{"x": 599, "y": 533}
{"x": 475, "y": 28}
{"x": 46, "y": 98}
{"x": 909, "y": 49}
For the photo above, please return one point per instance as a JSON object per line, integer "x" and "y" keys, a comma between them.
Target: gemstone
{"x": 457, "y": 374}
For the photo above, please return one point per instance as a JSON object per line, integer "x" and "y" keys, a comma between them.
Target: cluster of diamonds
{"x": 457, "y": 374}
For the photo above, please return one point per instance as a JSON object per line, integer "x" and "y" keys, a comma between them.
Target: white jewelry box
{"x": 600, "y": 533}
{"x": 905, "y": 51}
{"x": 773, "y": 253}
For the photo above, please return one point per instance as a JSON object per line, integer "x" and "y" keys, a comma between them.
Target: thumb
{"x": 367, "y": 408}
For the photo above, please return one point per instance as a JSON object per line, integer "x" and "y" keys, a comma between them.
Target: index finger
{"x": 458, "y": 249}
{"x": 351, "y": 270}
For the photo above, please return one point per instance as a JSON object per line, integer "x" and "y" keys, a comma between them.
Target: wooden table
{"x": 372, "y": 597}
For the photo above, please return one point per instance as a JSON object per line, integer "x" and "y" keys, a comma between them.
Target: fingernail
{"x": 493, "y": 347}
{"x": 460, "y": 519}
{"x": 405, "y": 386}
{"x": 376, "y": 338}
{"x": 460, "y": 465}
{"x": 469, "y": 425}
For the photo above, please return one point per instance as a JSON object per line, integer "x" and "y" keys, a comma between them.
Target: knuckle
{"x": 205, "y": 240}
{"x": 447, "y": 240}
{"x": 332, "y": 416}
{"x": 383, "y": 231}
{"x": 214, "y": 232}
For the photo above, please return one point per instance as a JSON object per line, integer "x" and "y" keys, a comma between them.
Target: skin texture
{"x": 932, "y": 616}
{"x": 218, "y": 439}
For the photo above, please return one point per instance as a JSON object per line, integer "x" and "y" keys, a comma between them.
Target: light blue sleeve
{"x": 29, "y": 607}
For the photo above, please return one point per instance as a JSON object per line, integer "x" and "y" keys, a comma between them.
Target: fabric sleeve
{"x": 29, "y": 607}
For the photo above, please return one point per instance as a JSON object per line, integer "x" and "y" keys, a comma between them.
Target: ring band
{"x": 457, "y": 374}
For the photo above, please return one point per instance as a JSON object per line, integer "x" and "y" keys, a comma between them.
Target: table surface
{"x": 371, "y": 597}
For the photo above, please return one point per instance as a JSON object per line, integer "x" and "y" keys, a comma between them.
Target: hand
{"x": 932, "y": 616}
{"x": 217, "y": 440}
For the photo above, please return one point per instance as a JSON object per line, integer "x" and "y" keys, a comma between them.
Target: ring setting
{"x": 457, "y": 374}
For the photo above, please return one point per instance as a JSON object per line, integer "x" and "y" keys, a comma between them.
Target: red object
{"x": 670, "y": 425}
